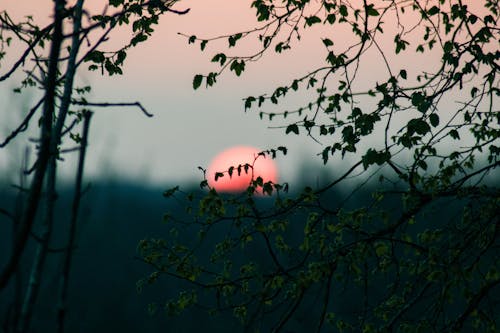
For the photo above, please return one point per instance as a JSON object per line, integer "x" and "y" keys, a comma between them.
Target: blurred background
{"x": 132, "y": 159}
{"x": 189, "y": 127}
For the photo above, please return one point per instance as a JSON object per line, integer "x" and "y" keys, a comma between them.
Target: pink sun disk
{"x": 263, "y": 167}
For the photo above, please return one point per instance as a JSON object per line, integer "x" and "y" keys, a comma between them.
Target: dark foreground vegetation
{"x": 103, "y": 293}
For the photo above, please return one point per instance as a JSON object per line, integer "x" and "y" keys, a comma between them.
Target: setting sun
{"x": 238, "y": 157}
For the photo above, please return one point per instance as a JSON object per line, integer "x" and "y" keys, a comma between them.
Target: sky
{"x": 189, "y": 128}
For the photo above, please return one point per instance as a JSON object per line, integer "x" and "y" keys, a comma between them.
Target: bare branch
{"x": 73, "y": 221}
{"x": 24, "y": 124}
{"x": 43, "y": 33}
{"x": 106, "y": 104}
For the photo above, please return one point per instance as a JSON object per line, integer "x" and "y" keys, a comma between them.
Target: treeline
{"x": 103, "y": 296}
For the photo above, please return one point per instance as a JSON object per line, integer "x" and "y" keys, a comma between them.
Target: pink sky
{"x": 190, "y": 128}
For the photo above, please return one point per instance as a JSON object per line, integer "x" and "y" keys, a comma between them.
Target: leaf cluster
{"x": 420, "y": 256}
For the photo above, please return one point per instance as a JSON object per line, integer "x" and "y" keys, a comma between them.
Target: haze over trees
{"x": 421, "y": 255}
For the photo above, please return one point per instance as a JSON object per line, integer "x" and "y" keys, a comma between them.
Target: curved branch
{"x": 30, "y": 48}
{"x": 136, "y": 104}
{"x": 23, "y": 126}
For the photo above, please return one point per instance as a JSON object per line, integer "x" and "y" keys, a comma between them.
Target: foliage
{"x": 50, "y": 59}
{"x": 421, "y": 254}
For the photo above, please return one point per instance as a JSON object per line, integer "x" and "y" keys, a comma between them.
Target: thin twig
{"x": 24, "y": 124}
{"x": 106, "y": 104}
{"x": 21, "y": 59}
{"x": 72, "y": 231}
{"x": 42, "y": 250}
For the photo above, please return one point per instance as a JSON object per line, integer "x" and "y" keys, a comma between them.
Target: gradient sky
{"x": 189, "y": 127}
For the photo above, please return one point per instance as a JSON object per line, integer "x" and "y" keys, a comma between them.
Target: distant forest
{"x": 103, "y": 296}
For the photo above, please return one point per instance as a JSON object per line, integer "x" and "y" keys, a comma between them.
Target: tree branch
{"x": 44, "y": 151}
{"x": 72, "y": 231}
{"x": 30, "y": 48}
{"x": 136, "y": 104}
{"x": 24, "y": 124}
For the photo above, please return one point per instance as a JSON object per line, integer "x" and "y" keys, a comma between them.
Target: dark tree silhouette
{"x": 74, "y": 39}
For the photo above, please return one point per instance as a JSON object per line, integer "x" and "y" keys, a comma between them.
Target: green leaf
{"x": 331, "y": 18}
{"x": 331, "y": 58}
{"x": 400, "y": 43}
{"x": 448, "y": 47}
{"x": 403, "y": 74}
{"x": 219, "y": 57}
{"x": 237, "y": 66}
{"x": 434, "y": 119}
{"x": 263, "y": 11}
{"x": 312, "y": 20}
{"x": 120, "y": 57}
{"x": 233, "y": 39}
{"x": 280, "y": 47}
{"x": 323, "y": 130}
{"x": 267, "y": 41}
{"x": 115, "y": 3}
{"x": 454, "y": 134}
{"x": 473, "y": 91}
{"x": 421, "y": 102}
{"x": 211, "y": 79}
{"x": 95, "y": 56}
{"x": 292, "y": 128}
{"x": 283, "y": 149}
{"x": 343, "y": 10}
{"x": 197, "y": 81}
{"x": 203, "y": 44}
{"x": 139, "y": 38}
{"x": 417, "y": 99}
{"x": 418, "y": 126}
{"x": 381, "y": 249}
{"x": 327, "y": 42}
{"x": 248, "y": 102}
{"x": 372, "y": 11}
{"x": 422, "y": 164}
{"x": 372, "y": 156}
{"x": 433, "y": 11}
